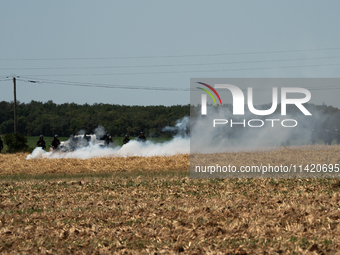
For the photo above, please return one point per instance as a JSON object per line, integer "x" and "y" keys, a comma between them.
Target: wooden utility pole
{"x": 15, "y": 105}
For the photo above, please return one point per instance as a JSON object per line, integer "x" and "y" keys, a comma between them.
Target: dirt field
{"x": 135, "y": 210}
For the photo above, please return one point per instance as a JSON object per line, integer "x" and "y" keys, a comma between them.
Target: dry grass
{"x": 17, "y": 164}
{"x": 165, "y": 215}
{"x": 286, "y": 156}
{"x": 296, "y": 155}
{"x": 170, "y": 215}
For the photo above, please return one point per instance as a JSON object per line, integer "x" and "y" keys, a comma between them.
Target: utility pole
{"x": 15, "y": 105}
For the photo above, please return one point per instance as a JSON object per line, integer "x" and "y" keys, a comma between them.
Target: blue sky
{"x": 145, "y": 52}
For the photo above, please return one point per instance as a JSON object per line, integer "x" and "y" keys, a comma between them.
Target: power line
{"x": 102, "y": 85}
{"x": 5, "y": 79}
{"x": 189, "y": 71}
{"x": 172, "y": 56}
{"x": 112, "y": 86}
{"x": 170, "y": 65}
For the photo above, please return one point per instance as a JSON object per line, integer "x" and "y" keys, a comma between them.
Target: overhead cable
{"x": 169, "y": 65}
{"x": 171, "y": 56}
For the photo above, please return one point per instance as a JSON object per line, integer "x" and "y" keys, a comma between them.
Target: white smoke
{"x": 178, "y": 145}
{"x": 100, "y": 131}
{"x": 182, "y": 127}
{"x": 82, "y": 132}
{"x": 205, "y": 138}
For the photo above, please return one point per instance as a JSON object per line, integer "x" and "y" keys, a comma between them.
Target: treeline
{"x": 36, "y": 118}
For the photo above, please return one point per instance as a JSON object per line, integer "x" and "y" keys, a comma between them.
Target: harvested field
{"x": 297, "y": 156}
{"x": 17, "y": 164}
{"x": 170, "y": 215}
{"x": 142, "y": 213}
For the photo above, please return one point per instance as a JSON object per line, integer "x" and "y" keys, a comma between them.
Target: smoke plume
{"x": 261, "y": 133}
{"x": 236, "y": 133}
{"x": 180, "y": 144}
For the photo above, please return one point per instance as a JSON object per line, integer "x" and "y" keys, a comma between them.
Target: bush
{"x": 16, "y": 143}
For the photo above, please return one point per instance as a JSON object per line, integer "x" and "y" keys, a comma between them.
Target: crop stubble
{"x": 167, "y": 214}
{"x": 17, "y": 164}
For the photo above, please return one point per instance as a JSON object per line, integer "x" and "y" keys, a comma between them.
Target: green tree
{"x": 7, "y": 126}
{"x": 16, "y": 142}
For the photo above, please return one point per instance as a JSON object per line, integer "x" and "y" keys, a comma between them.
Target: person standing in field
{"x": 126, "y": 139}
{"x": 1, "y": 144}
{"x": 41, "y": 143}
{"x": 108, "y": 140}
{"x": 55, "y": 142}
{"x": 141, "y": 137}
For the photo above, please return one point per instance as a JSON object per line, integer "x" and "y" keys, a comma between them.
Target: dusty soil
{"x": 168, "y": 214}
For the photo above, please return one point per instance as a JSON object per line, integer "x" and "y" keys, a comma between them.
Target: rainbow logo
{"x": 209, "y": 93}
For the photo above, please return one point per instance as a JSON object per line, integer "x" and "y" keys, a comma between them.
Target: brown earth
{"x": 169, "y": 214}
